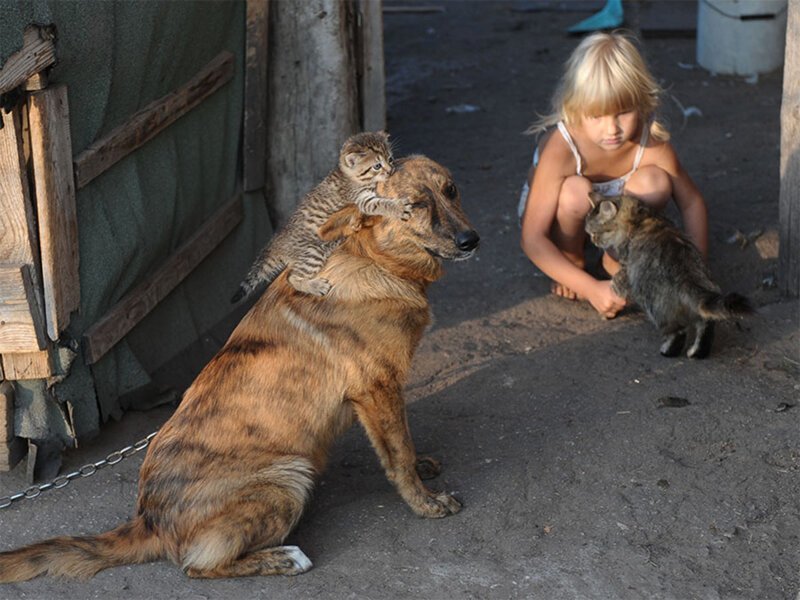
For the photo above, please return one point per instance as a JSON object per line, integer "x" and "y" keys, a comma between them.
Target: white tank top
{"x": 606, "y": 188}
{"x": 615, "y": 186}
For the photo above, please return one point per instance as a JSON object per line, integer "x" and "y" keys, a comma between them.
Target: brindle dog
{"x": 227, "y": 477}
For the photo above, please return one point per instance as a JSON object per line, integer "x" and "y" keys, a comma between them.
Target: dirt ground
{"x": 580, "y": 478}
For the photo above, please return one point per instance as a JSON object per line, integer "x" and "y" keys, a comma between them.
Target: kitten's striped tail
{"x": 718, "y": 307}
{"x": 82, "y": 557}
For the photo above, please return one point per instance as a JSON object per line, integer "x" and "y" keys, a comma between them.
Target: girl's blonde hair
{"x": 605, "y": 74}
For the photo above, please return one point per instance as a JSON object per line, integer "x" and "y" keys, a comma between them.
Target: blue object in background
{"x": 608, "y": 18}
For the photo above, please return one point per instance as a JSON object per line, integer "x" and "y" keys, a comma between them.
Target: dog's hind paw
{"x": 280, "y": 560}
{"x": 300, "y": 563}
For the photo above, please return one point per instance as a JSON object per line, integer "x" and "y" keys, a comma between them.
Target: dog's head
{"x": 438, "y": 228}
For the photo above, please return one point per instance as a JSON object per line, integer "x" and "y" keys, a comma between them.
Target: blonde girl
{"x": 601, "y": 135}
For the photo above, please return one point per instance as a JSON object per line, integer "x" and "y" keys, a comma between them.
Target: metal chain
{"x": 85, "y": 471}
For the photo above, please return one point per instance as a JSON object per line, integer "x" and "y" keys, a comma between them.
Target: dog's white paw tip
{"x": 301, "y": 561}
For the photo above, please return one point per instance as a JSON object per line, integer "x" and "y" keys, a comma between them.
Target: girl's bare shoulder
{"x": 555, "y": 153}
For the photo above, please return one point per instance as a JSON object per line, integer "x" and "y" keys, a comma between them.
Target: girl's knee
{"x": 573, "y": 200}
{"x": 652, "y": 185}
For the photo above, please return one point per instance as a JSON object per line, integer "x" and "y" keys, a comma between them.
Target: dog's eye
{"x": 451, "y": 191}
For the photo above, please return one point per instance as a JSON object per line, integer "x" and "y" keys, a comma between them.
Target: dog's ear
{"x": 344, "y": 223}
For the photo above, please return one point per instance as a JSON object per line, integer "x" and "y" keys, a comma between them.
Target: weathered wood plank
{"x": 137, "y": 303}
{"x": 789, "y": 210}
{"x": 17, "y": 227}
{"x": 21, "y": 323}
{"x": 19, "y": 253}
{"x": 37, "y": 53}
{"x": 255, "y": 95}
{"x": 36, "y": 82}
{"x": 152, "y": 119}
{"x": 51, "y": 154}
{"x": 373, "y": 78}
{"x": 28, "y": 365}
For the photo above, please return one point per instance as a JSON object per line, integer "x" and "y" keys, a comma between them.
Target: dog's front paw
{"x": 428, "y": 468}
{"x": 438, "y": 505}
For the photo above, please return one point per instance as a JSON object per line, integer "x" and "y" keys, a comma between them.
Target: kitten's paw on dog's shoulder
{"x": 405, "y": 209}
{"x": 319, "y": 286}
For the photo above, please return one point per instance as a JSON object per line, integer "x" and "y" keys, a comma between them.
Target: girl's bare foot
{"x": 563, "y": 291}
{"x": 559, "y": 289}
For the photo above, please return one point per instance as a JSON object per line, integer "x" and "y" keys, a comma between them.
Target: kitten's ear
{"x": 350, "y": 159}
{"x": 595, "y": 199}
{"x": 607, "y": 209}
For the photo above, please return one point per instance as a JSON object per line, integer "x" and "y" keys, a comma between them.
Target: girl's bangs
{"x": 613, "y": 90}
{"x": 602, "y": 100}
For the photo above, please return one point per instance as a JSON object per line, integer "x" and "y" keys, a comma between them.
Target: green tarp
{"x": 115, "y": 58}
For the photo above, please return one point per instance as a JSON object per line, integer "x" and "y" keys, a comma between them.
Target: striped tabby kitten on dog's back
{"x": 365, "y": 159}
{"x": 663, "y": 272}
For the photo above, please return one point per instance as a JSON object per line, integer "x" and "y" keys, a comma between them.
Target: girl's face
{"x": 610, "y": 132}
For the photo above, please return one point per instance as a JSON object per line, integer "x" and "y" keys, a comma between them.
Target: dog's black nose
{"x": 467, "y": 240}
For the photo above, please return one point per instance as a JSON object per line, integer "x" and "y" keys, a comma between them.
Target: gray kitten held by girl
{"x": 663, "y": 272}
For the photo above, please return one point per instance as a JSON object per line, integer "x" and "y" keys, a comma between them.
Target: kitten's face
{"x": 606, "y": 223}
{"x": 367, "y": 157}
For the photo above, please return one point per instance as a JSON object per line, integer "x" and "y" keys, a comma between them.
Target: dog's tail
{"x": 82, "y": 557}
{"x": 718, "y": 307}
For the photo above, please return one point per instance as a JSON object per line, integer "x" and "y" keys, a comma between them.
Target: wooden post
{"x": 789, "y": 213}
{"x": 373, "y": 79}
{"x": 313, "y": 87}
{"x": 51, "y": 155}
{"x": 255, "y": 96}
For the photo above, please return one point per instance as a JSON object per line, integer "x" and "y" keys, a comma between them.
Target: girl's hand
{"x": 605, "y": 300}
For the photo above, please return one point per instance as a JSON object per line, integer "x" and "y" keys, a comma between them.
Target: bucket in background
{"x": 741, "y": 37}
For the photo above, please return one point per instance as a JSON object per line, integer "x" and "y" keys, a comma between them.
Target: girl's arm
{"x": 688, "y": 199}
{"x": 556, "y": 163}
